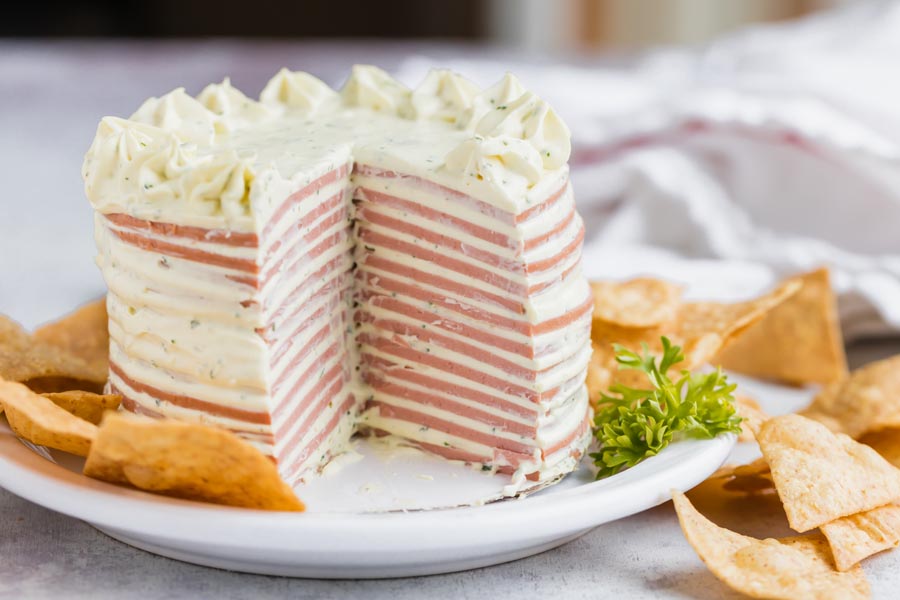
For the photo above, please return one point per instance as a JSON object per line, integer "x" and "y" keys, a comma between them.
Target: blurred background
{"x": 720, "y": 143}
{"x": 555, "y": 25}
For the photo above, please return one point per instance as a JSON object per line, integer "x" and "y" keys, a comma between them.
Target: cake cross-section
{"x": 320, "y": 264}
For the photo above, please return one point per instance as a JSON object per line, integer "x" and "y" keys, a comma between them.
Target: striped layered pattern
{"x": 306, "y": 292}
{"x": 253, "y": 327}
{"x": 367, "y": 299}
{"x": 473, "y": 324}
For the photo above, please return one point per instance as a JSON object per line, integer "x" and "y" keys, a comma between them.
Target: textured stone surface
{"x": 51, "y": 97}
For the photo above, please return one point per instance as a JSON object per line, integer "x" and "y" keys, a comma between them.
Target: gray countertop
{"x": 51, "y": 97}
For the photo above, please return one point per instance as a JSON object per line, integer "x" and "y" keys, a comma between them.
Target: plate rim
{"x": 110, "y": 506}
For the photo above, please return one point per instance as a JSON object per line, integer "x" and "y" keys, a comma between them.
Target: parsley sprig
{"x": 632, "y": 424}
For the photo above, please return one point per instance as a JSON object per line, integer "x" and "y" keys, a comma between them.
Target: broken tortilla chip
{"x": 749, "y": 479}
{"x": 752, "y": 478}
{"x": 752, "y": 416}
{"x": 861, "y": 535}
{"x": 789, "y": 568}
{"x": 757, "y": 467}
{"x": 599, "y": 376}
{"x": 636, "y": 303}
{"x": 797, "y": 342}
{"x": 886, "y": 442}
{"x": 706, "y": 327}
{"x": 700, "y": 328}
{"x": 85, "y": 405}
{"x": 753, "y": 512}
{"x": 821, "y": 476}
{"x": 84, "y": 334}
{"x": 40, "y": 421}
{"x": 187, "y": 460}
{"x": 24, "y": 359}
{"x": 868, "y": 400}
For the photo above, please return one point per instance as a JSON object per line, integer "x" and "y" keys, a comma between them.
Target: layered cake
{"x": 377, "y": 260}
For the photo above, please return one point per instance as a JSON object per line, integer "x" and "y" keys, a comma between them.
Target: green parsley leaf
{"x": 632, "y": 424}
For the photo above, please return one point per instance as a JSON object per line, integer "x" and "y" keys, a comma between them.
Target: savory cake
{"x": 317, "y": 263}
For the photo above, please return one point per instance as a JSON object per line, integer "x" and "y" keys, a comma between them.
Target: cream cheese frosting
{"x": 296, "y": 90}
{"x": 444, "y": 96}
{"x": 206, "y": 156}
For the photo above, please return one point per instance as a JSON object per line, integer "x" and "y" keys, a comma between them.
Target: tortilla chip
{"x": 85, "y": 405}
{"x": 706, "y": 327}
{"x": 752, "y": 478}
{"x": 753, "y": 510}
{"x": 757, "y": 467}
{"x": 637, "y": 303}
{"x": 749, "y": 478}
{"x": 821, "y": 476}
{"x": 83, "y": 333}
{"x": 790, "y": 568}
{"x": 701, "y": 329}
{"x": 861, "y": 535}
{"x": 868, "y": 400}
{"x": 24, "y": 359}
{"x": 599, "y": 376}
{"x": 752, "y": 416}
{"x": 797, "y": 342}
{"x": 886, "y": 442}
{"x": 187, "y": 460}
{"x": 41, "y": 422}
{"x": 750, "y": 485}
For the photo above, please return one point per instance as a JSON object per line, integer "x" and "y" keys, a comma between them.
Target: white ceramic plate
{"x": 343, "y": 534}
{"x": 346, "y": 532}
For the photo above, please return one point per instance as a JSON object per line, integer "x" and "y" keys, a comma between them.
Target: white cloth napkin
{"x": 767, "y": 153}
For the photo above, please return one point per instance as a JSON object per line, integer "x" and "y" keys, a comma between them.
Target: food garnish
{"x": 632, "y": 424}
